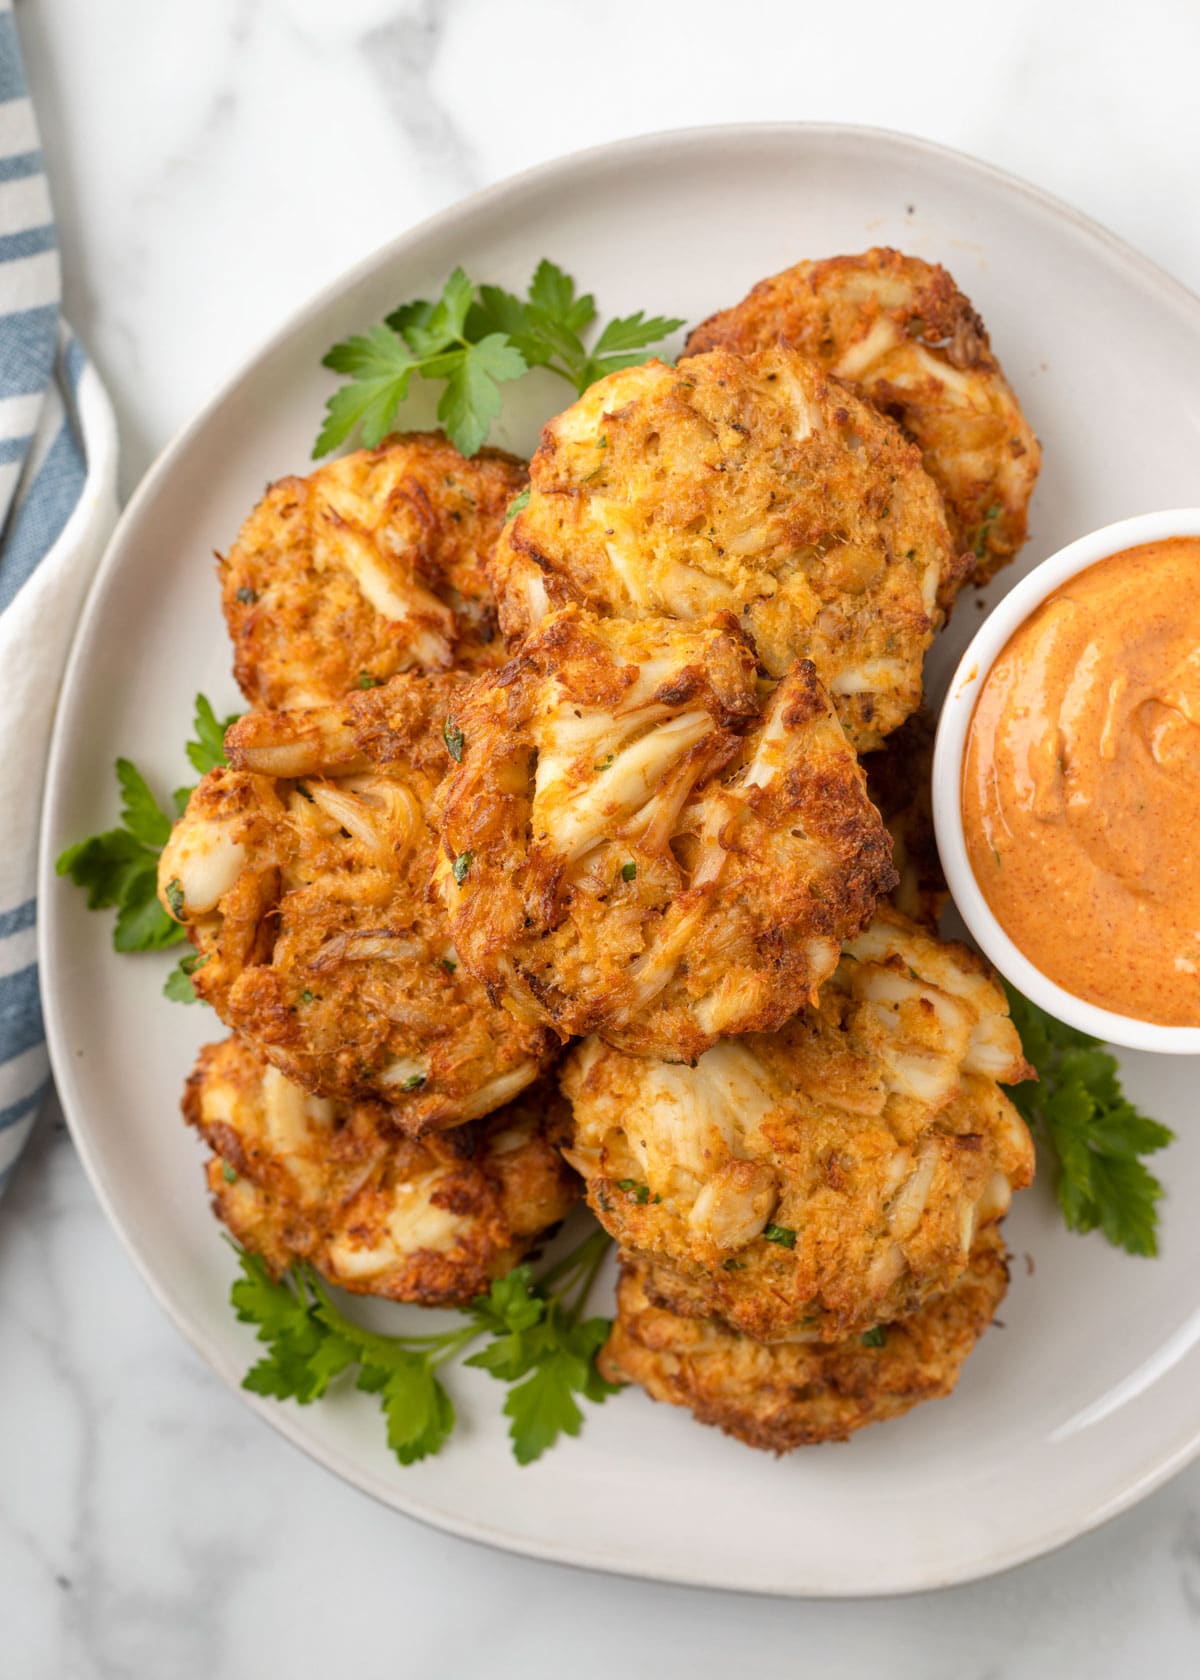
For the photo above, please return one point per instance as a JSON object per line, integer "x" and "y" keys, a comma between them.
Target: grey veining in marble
{"x": 402, "y": 54}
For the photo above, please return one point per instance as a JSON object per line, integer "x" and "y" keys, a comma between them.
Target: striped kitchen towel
{"x": 57, "y": 508}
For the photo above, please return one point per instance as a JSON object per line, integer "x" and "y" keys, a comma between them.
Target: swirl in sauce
{"x": 1081, "y": 784}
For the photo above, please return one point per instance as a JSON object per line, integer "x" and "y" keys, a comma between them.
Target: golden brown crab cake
{"x": 798, "y": 1394}
{"x": 302, "y": 873}
{"x": 755, "y": 485}
{"x": 826, "y": 1176}
{"x": 899, "y": 780}
{"x": 368, "y": 566}
{"x": 901, "y": 331}
{"x": 647, "y": 841}
{"x": 301, "y": 1178}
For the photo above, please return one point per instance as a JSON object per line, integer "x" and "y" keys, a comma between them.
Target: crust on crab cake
{"x": 900, "y": 782}
{"x": 368, "y": 566}
{"x": 647, "y": 841}
{"x": 798, "y": 1394}
{"x": 302, "y": 873}
{"x": 904, "y": 335}
{"x": 754, "y": 485}
{"x": 300, "y": 1178}
{"x": 827, "y": 1176}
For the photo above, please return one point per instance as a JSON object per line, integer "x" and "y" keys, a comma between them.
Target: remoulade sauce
{"x": 1081, "y": 784}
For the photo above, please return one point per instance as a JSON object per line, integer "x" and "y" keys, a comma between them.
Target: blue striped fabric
{"x": 43, "y": 470}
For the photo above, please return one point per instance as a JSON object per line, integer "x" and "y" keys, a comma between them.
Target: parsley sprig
{"x": 477, "y": 338}
{"x": 119, "y": 868}
{"x": 207, "y": 751}
{"x": 548, "y": 324}
{"x": 1079, "y": 1109}
{"x": 538, "y": 1342}
{"x": 178, "y": 985}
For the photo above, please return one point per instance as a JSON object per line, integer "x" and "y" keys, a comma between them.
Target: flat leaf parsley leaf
{"x": 427, "y": 340}
{"x": 178, "y": 985}
{"x": 1079, "y": 1109}
{"x": 537, "y": 1342}
{"x": 471, "y": 400}
{"x": 379, "y": 366}
{"x": 207, "y": 751}
{"x": 476, "y": 339}
{"x": 119, "y": 868}
{"x": 543, "y": 1346}
{"x": 544, "y": 1406}
{"x": 548, "y": 324}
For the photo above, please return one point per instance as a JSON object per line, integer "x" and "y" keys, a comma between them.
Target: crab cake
{"x": 910, "y": 342}
{"x": 303, "y": 872}
{"x": 827, "y": 1176}
{"x": 899, "y": 780}
{"x": 369, "y": 566}
{"x": 300, "y": 1178}
{"x": 797, "y": 1394}
{"x": 647, "y": 841}
{"x": 755, "y": 485}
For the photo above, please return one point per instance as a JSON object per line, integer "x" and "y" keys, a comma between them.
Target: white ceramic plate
{"x": 1090, "y": 1394}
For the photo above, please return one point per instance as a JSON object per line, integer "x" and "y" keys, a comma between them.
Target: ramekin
{"x": 950, "y": 748}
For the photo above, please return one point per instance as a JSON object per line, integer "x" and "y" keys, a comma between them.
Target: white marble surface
{"x": 212, "y": 164}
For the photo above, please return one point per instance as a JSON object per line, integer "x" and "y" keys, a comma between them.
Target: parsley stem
{"x": 571, "y": 379}
{"x": 589, "y": 1278}
{"x": 579, "y": 1268}
{"x": 573, "y": 1262}
{"x": 368, "y": 1339}
{"x": 455, "y": 1341}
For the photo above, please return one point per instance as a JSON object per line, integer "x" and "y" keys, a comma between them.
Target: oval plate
{"x": 1087, "y": 1397}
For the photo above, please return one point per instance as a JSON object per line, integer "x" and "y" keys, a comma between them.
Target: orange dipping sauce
{"x": 1081, "y": 784}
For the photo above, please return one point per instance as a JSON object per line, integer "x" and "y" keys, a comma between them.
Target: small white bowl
{"x": 992, "y": 637}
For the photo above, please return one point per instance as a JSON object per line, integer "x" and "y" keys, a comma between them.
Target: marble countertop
{"x": 211, "y": 166}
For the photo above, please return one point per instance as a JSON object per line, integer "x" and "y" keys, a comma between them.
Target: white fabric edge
{"x": 36, "y": 631}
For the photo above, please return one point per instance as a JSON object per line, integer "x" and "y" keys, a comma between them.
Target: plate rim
{"x": 287, "y": 1422}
